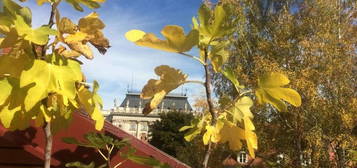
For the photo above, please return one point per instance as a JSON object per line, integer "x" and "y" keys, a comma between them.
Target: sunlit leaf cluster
{"x": 231, "y": 124}
{"x": 40, "y": 78}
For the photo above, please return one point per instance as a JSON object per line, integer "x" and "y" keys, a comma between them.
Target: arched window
{"x": 242, "y": 157}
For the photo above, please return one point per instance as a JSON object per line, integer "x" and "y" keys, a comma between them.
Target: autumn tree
{"x": 315, "y": 43}
{"x": 41, "y": 81}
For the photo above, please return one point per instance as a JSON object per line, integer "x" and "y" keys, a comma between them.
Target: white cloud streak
{"x": 125, "y": 64}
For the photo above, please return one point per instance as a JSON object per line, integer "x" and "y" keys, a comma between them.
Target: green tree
{"x": 314, "y": 42}
{"x": 165, "y": 133}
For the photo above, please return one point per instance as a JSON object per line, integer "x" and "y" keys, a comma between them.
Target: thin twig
{"x": 101, "y": 153}
{"x": 120, "y": 163}
{"x": 50, "y": 24}
{"x": 109, "y": 150}
{"x": 193, "y": 57}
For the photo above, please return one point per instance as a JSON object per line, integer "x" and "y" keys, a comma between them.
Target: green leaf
{"x": 218, "y": 56}
{"x": 26, "y": 14}
{"x": 97, "y": 140}
{"x": 204, "y": 15}
{"x": 213, "y": 25}
{"x": 197, "y": 126}
{"x": 71, "y": 140}
{"x": 271, "y": 91}
{"x": 148, "y": 161}
{"x": 80, "y": 165}
{"x": 11, "y": 6}
{"x": 229, "y": 74}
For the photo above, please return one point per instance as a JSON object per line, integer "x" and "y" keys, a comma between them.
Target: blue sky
{"x": 125, "y": 63}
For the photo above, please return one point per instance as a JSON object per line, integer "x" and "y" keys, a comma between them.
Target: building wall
{"x": 132, "y": 120}
{"x": 128, "y": 116}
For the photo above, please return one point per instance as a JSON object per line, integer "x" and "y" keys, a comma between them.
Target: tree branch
{"x": 210, "y": 106}
{"x": 50, "y": 24}
{"x": 48, "y": 147}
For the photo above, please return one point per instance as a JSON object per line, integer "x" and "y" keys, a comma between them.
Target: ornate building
{"x": 128, "y": 116}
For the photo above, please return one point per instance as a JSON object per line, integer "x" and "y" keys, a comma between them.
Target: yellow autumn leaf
{"x": 76, "y": 37}
{"x": 90, "y": 24}
{"x": 41, "y": 2}
{"x": 89, "y": 30}
{"x": 212, "y": 133}
{"x": 218, "y": 56}
{"x": 196, "y": 127}
{"x": 241, "y": 109}
{"x": 67, "y": 53}
{"x": 67, "y": 26}
{"x": 99, "y": 41}
{"x": 48, "y": 78}
{"x": 92, "y": 105}
{"x": 5, "y": 90}
{"x": 81, "y": 48}
{"x": 12, "y": 114}
{"x": 176, "y": 40}
{"x": 233, "y": 135}
{"x": 156, "y": 90}
{"x": 250, "y": 136}
{"x": 270, "y": 91}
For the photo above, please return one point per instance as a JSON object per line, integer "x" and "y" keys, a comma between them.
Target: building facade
{"x": 128, "y": 115}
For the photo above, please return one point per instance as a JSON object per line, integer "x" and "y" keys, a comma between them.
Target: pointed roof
{"x": 28, "y": 146}
{"x": 171, "y": 101}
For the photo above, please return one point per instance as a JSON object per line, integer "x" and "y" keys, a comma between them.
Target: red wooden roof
{"x": 26, "y": 148}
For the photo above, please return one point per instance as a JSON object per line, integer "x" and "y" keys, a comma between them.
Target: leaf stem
{"x": 101, "y": 153}
{"x": 195, "y": 81}
{"x": 193, "y": 57}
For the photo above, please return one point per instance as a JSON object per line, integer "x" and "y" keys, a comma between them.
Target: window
{"x": 242, "y": 157}
{"x": 132, "y": 126}
{"x": 144, "y": 126}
